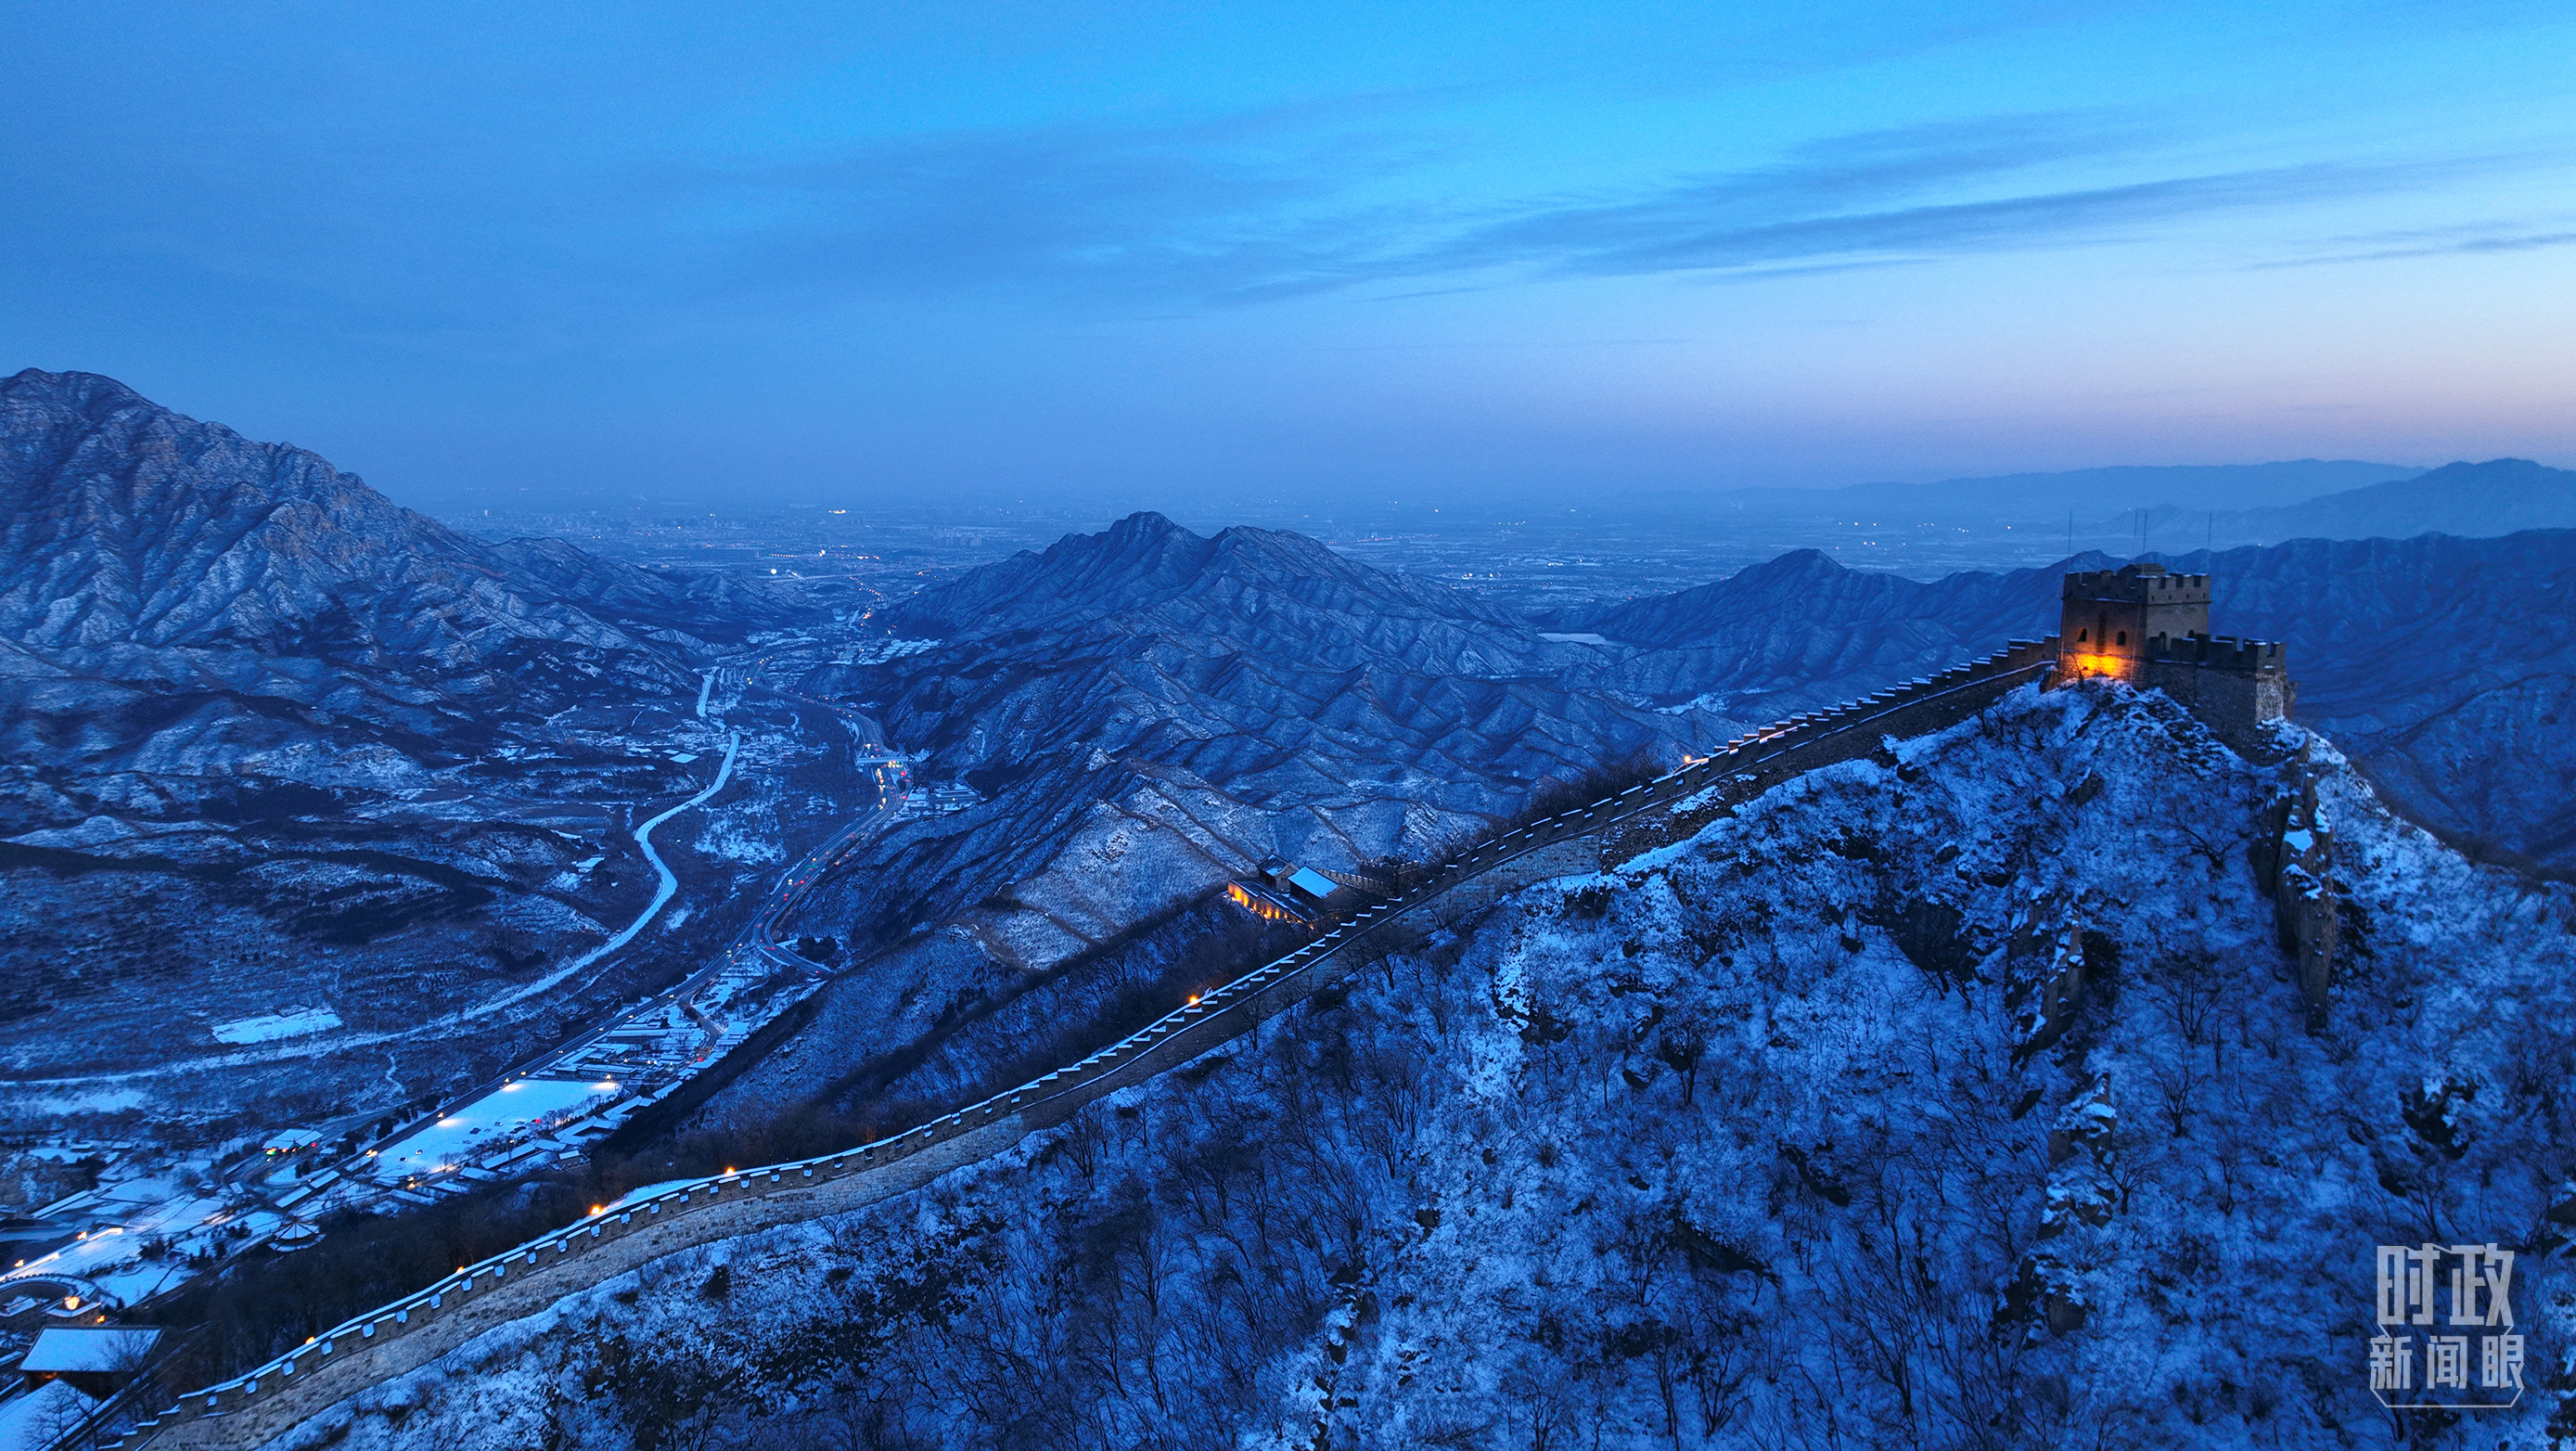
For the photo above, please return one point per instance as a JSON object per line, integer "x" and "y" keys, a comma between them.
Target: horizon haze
{"x": 1158, "y": 258}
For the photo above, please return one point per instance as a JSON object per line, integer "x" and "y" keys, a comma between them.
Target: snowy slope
{"x": 1742, "y": 1145}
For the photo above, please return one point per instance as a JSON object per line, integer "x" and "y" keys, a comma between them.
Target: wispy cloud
{"x": 2455, "y": 244}
{"x": 1262, "y": 210}
{"x": 1119, "y": 214}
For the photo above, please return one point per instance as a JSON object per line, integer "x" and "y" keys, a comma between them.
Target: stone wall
{"x": 2233, "y": 686}
{"x": 411, "y": 1332}
{"x": 530, "y": 1279}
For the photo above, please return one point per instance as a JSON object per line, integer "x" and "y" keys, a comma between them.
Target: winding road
{"x": 662, "y": 895}
{"x": 323, "y": 1046}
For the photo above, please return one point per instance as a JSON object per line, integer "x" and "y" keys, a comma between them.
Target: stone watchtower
{"x": 2149, "y": 628}
{"x": 2106, "y": 617}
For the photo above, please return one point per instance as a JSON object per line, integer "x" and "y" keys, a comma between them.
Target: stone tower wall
{"x": 2106, "y": 617}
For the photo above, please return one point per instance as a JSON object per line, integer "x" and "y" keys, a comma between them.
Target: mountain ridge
{"x": 268, "y": 737}
{"x": 2049, "y": 495}
{"x": 2471, "y": 500}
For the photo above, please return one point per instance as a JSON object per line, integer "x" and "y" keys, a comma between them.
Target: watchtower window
{"x": 2079, "y": 636}
{"x": 2124, "y": 637}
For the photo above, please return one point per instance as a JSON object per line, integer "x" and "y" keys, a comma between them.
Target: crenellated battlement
{"x": 2136, "y": 584}
{"x": 2220, "y": 652}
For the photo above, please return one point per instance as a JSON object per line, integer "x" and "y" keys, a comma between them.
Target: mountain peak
{"x": 2492, "y": 470}
{"x": 142, "y": 543}
{"x": 1147, "y": 523}
{"x": 92, "y": 395}
{"x": 1796, "y": 564}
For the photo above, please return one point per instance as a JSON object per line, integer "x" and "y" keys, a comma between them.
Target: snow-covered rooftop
{"x": 58, "y": 1351}
{"x": 505, "y": 1111}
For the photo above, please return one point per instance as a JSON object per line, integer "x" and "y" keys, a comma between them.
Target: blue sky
{"x": 1144, "y": 253}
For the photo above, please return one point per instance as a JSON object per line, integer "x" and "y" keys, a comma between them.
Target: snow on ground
{"x": 1745, "y": 1145}
{"x": 744, "y": 832}
{"x": 880, "y": 651}
{"x": 161, "y": 1222}
{"x": 34, "y": 1421}
{"x": 89, "y": 1101}
{"x": 268, "y": 1027}
{"x": 511, "y": 1110}
{"x": 646, "y": 1191}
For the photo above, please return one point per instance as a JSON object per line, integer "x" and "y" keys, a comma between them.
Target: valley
{"x": 504, "y": 870}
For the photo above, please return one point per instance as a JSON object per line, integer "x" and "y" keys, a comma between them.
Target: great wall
{"x": 400, "y": 1337}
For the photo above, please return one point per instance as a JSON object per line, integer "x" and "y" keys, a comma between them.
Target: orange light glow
{"x": 2114, "y": 666}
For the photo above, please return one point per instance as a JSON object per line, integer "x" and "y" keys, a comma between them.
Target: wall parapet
{"x": 2218, "y": 652}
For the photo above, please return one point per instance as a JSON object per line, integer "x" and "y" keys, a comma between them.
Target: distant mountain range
{"x": 2473, "y": 500}
{"x": 1149, "y": 709}
{"x": 2093, "y": 493}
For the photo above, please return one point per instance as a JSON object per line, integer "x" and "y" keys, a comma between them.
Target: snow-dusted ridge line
{"x": 1751, "y": 763}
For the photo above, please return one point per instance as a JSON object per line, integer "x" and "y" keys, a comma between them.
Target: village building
{"x": 95, "y": 1362}
{"x": 1281, "y": 891}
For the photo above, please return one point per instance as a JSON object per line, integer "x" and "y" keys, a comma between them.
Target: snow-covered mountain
{"x": 1747, "y": 1143}
{"x": 272, "y": 740}
{"x": 1148, "y": 711}
{"x": 149, "y": 555}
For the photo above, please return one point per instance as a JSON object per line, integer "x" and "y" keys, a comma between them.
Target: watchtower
{"x": 2106, "y": 617}
{"x": 2150, "y": 628}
